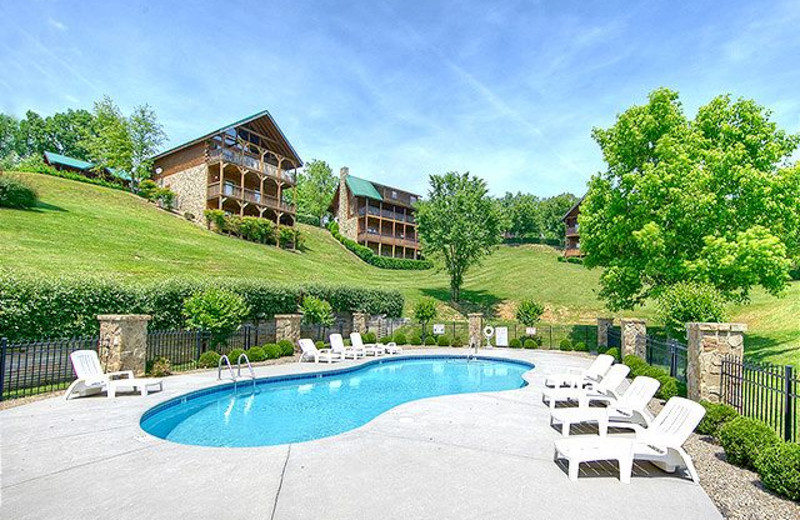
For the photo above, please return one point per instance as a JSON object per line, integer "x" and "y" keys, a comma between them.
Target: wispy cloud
{"x": 56, "y": 24}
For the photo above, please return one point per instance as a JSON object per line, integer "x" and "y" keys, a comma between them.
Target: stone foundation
{"x": 191, "y": 188}
{"x": 123, "y": 342}
{"x": 708, "y": 343}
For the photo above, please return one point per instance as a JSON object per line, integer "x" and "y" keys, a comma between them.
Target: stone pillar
{"x": 707, "y": 344}
{"x": 287, "y": 326}
{"x": 603, "y": 324}
{"x": 475, "y": 332}
{"x": 634, "y": 337}
{"x": 123, "y": 342}
{"x": 360, "y": 322}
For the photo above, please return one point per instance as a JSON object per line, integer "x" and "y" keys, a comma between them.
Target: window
{"x": 412, "y": 199}
{"x": 394, "y": 194}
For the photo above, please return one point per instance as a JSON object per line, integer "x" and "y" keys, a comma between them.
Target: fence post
{"x": 123, "y": 342}
{"x": 603, "y": 324}
{"x": 708, "y": 344}
{"x": 788, "y": 403}
{"x": 3, "y": 349}
{"x": 475, "y": 326}
{"x": 287, "y": 326}
{"x": 198, "y": 341}
{"x": 633, "y": 332}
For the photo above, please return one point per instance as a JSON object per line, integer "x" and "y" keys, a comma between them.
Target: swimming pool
{"x": 297, "y": 408}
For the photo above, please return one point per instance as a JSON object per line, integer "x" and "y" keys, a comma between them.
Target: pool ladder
{"x": 238, "y": 376}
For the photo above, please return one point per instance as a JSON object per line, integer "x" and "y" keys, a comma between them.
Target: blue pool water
{"x": 299, "y": 408}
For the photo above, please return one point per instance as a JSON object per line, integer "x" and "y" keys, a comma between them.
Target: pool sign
{"x": 501, "y": 336}
{"x": 438, "y": 329}
{"x": 530, "y": 331}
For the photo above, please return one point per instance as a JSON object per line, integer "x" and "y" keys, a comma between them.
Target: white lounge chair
{"x": 358, "y": 343}
{"x": 631, "y": 407}
{"x": 337, "y": 346}
{"x": 309, "y": 350}
{"x": 92, "y": 379}
{"x": 661, "y": 443}
{"x": 392, "y": 348}
{"x": 605, "y": 390}
{"x": 593, "y": 374}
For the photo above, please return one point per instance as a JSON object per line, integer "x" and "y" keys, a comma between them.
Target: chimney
{"x": 344, "y": 172}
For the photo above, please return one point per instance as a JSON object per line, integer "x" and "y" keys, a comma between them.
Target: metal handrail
{"x": 249, "y": 366}
{"x": 224, "y": 357}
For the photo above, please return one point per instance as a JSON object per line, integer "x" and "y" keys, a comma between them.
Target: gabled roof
{"x": 53, "y": 158}
{"x": 287, "y": 150}
{"x": 573, "y": 208}
{"x": 362, "y": 188}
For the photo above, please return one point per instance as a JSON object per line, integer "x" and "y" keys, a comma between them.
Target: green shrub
{"x": 208, "y": 359}
{"x": 166, "y": 197}
{"x": 457, "y": 341}
{"x": 256, "y": 354}
{"x": 287, "y": 237}
{"x": 256, "y": 229}
{"x": 215, "y": 219}
{"x": 316, "y": 311}
{"x": 400, "y": 339}
{"x": 529, "y": 312}
{"x": 744, "y": 439}
{"x": 717, "y": 414}
{"x": 636, "y": 364}
{"x": 14, "y": 193}
{"x": 686, "y": 302}
{"x": 159, "y": 367}
{"x": 515, "y": 343}
{"x": 565, "y": 344}
{"x": 430, "y": 340}
{"x": 383, "y": 340}
{"x": 779, "y": 469}
{"x": 443, "y": 341}
{"x": 234, "y": 354}
{"x": 530, "y": 343}
{"x": 414, "y": 340}
{"x": 319, "y": 344}
{"x": 369, "y": 337}
{"x": 215, "y": 311}
{"x": 580, "y": 346}
{"x": 148, "y": 189}
{"x": 382, "y": 262}
{"x": 309, "y": 220}
{"x": 287, "y": 347}
{"x": 613, "y": 352}
{"x": 273, "y": 351}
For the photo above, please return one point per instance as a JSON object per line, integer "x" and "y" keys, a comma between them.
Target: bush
{"x": 14, "y": 193}
{"x": 256, "y": 229}
{"x": 443, "y": 341}
{"x": 668, "y": 385}
{"x": 430, "y": 340}
{"x": 744, "y": 439}
{"x": 382, "y": 262}
{"x": 166, "y": 197}
{"x": 148, "y": 189}
{"x": 529, "y": 312}
{"x": 779, "y": 469}
{"x": 717, "y": 414}
{"x": 414, "y": 340}
{"x": 383, "y": 340}
{"x": 256, "y": 354}
{"x": 159, "y": 367}
{"x": 234, "y": 354}
{"x": 208, "y": 359}
{"x": 530, "y": 343}
{"x": 215, "y": 219}
{"x": 457, "y": 342}
{"x": 316, "y": 311}
{"x": 369, "y": 337}
{"x": 613, "y": 352}
{"x": 565, "y": 344}
{"x": 287, "y": 237}
{"x": 319, "y": 344}
{"x": 400, "y": 339}
{"x": 580, "y": 346}
{"x": 215, "y": 311}
{"x": 310, "y": 220}
{"x": 287, "y": 347}
{"x": 515, "y": 343}
{"x": 686, "y": 302}
{"x": 273, "y": 351}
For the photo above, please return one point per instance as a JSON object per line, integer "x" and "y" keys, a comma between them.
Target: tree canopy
{"x": 528, "y": 216}
{"x": 711, "y": 200}
{"x": 458, "y": 224}
{"x": 315, "y": 186}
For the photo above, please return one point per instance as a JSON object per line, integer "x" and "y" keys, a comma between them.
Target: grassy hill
{"x": 84, "y": 229}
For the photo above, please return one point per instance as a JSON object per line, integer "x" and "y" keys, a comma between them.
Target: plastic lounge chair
{"x": 337, "y": 346}
{"x": 91, "y": 378}
{"x": 631, "y": 407}
{"x": 309, "y": 350}
{"x": 392, "y": 348}
{"x": 661, "y": 443}
{"x": 599, "y": 367}
{"x": 358, "y": 343}
{"x": 605, "y": 390}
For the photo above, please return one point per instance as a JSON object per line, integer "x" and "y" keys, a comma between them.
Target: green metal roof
{"x": 362, "y": 188}
{"x": 63, "y": 160}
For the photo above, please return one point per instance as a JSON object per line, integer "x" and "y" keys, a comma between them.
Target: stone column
{"x": 123, "y": 342}
{"x": 708, "y": 343}
{"x": 287, "y": 326}
{"x": 634, "y": 337}
{"x": 475, "y": 333}
{"x": 360, "y": 322}
{"x": 603, "y": 324}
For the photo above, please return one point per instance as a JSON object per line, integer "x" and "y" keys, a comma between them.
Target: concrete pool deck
{"x": 484, "y": 455}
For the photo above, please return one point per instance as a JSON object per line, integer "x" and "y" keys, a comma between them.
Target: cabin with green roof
{"x": 85, "y": 168}
{"x": 245, "y": 168}
{"x": 376, "y": 216}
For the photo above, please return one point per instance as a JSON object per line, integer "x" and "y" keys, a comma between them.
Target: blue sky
{"x": 399, "y": 90}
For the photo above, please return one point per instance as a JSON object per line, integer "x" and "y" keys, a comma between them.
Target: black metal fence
{"x": 763, "y": 391}
{"x": 669, "y": 354}
{"x": 614, "y": 338}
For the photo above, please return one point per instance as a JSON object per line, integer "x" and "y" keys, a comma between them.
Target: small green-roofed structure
{"x": 63, "y": 162}
{"x": 362, "y": 188}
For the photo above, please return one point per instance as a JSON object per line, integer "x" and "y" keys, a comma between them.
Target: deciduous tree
{"x": 315, "y": 186}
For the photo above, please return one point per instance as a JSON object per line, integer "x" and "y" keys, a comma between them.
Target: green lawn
{"x": 84, "y": 229}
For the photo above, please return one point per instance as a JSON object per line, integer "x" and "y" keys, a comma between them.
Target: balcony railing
{"x": 387, "y": 238}
{"x": 572, "y": 251}
{"x": 235, "y": 191}
{"x": 572, "y": 230}
{"x": 376, "y": 212}
{"x": 252, "y": 162}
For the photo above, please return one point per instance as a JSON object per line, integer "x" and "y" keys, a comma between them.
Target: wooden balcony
{"x": 252, "y": 162}
{"x": 387, "y": 214}
{"x": 247, "y": 195}
{"x": 387, "y": 239}
{"x": 572, "y": 231}
{"x": 572, "y": 252}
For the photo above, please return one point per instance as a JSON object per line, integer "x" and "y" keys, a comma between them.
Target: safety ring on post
{"x": 488, "y": 331}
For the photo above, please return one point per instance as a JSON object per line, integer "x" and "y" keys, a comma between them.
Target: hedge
{"x": 668, "y": 385}
{"x": 383, "y": 262}
{"x": 779, "y": 469}
{"x": 40, "y": 307}
{"x": 309, "y": 220}
{"x": 745, "y": 439}
{"x": 14, "y": 193}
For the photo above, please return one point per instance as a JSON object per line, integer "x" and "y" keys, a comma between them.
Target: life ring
{"x": 488, "y": 331}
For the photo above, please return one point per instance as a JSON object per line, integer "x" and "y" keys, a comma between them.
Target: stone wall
{"x": 603, "y": 325}
{"x": 123, "y": 342}
{"x": 634, "y": 337}
{"x": 708, "y": 343}
{"x": 191, "y": 189}
{"x": 475, "y": 332}
{"x": 360, "y": 322}
{"x": 287, "y": 326}
{"x": 348, "y": 226}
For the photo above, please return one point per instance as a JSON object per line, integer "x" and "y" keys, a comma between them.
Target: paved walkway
{"x": 469, "y": 456}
